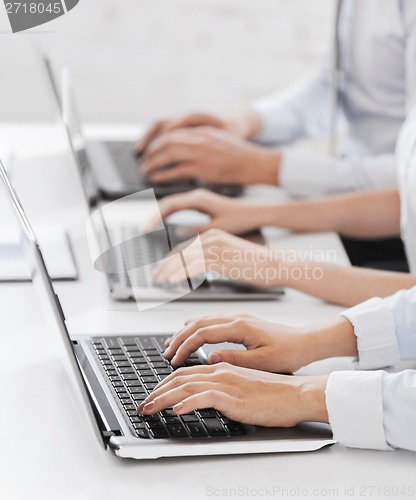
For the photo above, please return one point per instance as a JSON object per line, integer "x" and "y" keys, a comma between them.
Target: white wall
{"x": 134, "y": 60}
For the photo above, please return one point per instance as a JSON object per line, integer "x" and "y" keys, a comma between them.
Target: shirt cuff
{"x": 375, "y": 329}
{"x": 354, "y": 402}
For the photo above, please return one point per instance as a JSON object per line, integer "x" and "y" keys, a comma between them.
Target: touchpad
{"x": 206, "y": 349}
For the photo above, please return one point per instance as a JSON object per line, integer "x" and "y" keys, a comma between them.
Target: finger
{"x": 175, "y": 383}
{"x": 193, "y": 269}
{"x": 182, "y": 170}
{"x": 181, "y": 348}
{"x": 246, "y": 359}
{"x": 195, "y": 200}
{"x": 174, "y": 396}
{"x": 150, "y": 135}
{"x": 191, "y": 328}
{"x": 166, "y": 158}
{"x": 185, "y": 372}
{"x": 212, "y": 398}
{"x": 172, "y": 266}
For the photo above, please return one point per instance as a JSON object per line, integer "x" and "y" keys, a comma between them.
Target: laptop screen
{"x": 45, "y": 291}
{"x": 77, "y": 143}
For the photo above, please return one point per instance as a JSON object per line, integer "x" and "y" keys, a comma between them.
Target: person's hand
{"x": 235, "y": 216}
{"x": 211, "y": 155}
{"x": 223, "y": 255}
{"x": 245, "y": 124}
{"x": 269, "y": 346}
{"x": 248, "y": 396}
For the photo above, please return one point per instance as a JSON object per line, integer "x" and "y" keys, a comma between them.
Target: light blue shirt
{"x": 378, "y": 61}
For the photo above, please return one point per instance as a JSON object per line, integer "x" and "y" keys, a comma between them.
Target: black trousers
{"x": 386, "y": 254}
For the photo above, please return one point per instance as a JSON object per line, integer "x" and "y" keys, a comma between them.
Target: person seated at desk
{"x": 374, "y": 88}
{"x": 366, "y": 409}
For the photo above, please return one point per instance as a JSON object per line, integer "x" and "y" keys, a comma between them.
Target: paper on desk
{"x": 56, "y": 250}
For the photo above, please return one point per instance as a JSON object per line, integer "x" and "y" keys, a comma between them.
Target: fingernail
{"x": 168, "y": 341}
{"x": 149, "y": 406}
{"x": 140, "y": 407}
{"x": 215, "y": 358}
{"x": 178, "y": 407}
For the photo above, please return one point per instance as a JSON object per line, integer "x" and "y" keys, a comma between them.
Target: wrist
{"x": 335, "y": 340}
{"x": 312, "y": 399}
{"x": 268, "y": 166}
{"x": 246, "y": 124}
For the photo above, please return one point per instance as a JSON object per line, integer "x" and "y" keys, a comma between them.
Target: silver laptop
{"x": 113, "y": 374}
{"x": 117, "y": 167}
{"x": 128, "y": 267}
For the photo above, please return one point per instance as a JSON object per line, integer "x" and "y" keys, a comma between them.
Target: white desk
{"x": 48, "y": 451}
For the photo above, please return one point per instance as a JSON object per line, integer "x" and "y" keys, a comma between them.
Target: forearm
{"x": 363, "y": 215}
{"x": 346, "y": 286}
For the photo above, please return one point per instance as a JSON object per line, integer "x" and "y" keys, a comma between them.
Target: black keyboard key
{"x": 141, "y": 366}
{"x": 160, "y": 433}
{"x": 132, "y": 413}
{"x": 146, "y": 379}
{"x": 136, "y": 420}
{"x": 106, "y": 362}
{"x": 145, "y": 373}
{"x": 114, "y": 379}
{"x": 130, "y": 406}
{"x": 138, "y": 359}
{"x": 177, "y": 431}
{"x": 139, "y": 425}
{"x": 155, "y": 424}
{"x": 120, "y": 357}
{"x": 137, "y": 390}
{"x": 117, "y": 384}
{"x": 124, "y": 397}
{"x": 190, "y": 418}
{"x": 150, "y": 351}
{"x": 130, "y": 377}
{"x": 123, "y": 363}
{"x": 126, "y": 370}
{"x": 155, "y": 357}
{"x": 116, "y": 351}
{"x": 150, "y": 386}
{"x": 163, "y": 371}
{"x": 235, "y": 429}
{"x": 214, "y": 427}
{"x": 209, "y": 413}
{"x": 196, "y": 429}
{"x": 111, "y": 372}
{"x": 133, "y": 383}
{"x": 172, "y": 420}
{"x": 168, "y": 413}
{"x": 128, "y": 341}
{"x": 143, "y": 433}
{"x": 159, "y": 364}
{"x": 133, "y": 349}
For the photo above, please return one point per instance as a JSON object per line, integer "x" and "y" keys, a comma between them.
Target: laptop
{"x": 117, "y": 167}
{"x": 129, "y": 270}
{"x": 113, "y": 374}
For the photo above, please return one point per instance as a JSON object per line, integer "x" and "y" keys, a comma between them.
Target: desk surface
{"x": 49, "y": 452}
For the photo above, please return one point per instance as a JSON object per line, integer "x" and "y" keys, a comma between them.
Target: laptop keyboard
{"x": 129, "y": 167}
{"x": 133, "y": 367}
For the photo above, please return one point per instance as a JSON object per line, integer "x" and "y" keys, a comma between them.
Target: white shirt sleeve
{"x": 306, "y": 174}
{"x": 375, "y": 409}
{"x": 304, "y": 110}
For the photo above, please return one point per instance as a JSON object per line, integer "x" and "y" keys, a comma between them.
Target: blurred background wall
{"x": 136, "y": 60}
